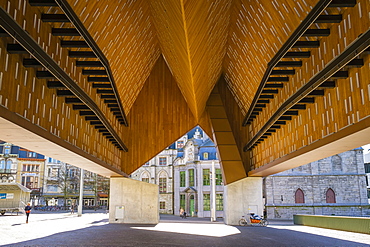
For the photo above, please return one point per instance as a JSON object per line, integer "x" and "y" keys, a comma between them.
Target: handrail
{"x": 71, "y": 15}
{"x": 352, "y": 51}
{"x": 305, "y": 24}
{"x": 29, "y": 44}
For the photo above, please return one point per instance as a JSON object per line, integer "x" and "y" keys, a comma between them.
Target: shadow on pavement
{"x": 126, "y": 235}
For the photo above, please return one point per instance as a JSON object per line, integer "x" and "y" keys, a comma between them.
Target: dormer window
{"x": 180, "y": 144}
{"x": 205, "y": 156}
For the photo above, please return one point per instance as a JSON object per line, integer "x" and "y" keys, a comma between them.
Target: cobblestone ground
{"x": 92, "y": 229}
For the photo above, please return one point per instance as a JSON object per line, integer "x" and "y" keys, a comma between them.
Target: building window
{"x": 162, "y": 185}
{"x": 180, "y": 144}
{"x": 182, "y": 179}
{"x": 299, "y": 196}
{"x": 219, "y": 202}
{"x": 31, "y": 154}
{"x": 145, "y": 180}
{"x": 330, "y": 196}
{"x": 182, "y": 201}
{"x": 162, "y": 161}
{"x": 162, "y": 205}
{"x": 206, "y": 178}
{"x": 7, "y": 150}
{"x": 191, "y": 177}
{"x": 205, "y": 156}
{"x": 218, "y": 177}
{"x": 30, "y": 182}
{"x": 206, "y": 202}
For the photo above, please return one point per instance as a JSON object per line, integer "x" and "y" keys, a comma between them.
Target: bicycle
{"x": 253, "y": 220}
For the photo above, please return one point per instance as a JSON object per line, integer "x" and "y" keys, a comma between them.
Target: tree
{"x": 66, "y": 179}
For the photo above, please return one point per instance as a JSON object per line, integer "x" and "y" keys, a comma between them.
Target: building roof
{"x": 4, "y": 187}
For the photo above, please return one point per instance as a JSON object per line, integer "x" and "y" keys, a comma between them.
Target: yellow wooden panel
{"x": 159, "y": 116}
{"x": 124, "y": 32}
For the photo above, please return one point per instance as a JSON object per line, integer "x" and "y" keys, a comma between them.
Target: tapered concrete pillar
{"x": 133, "y": 201}
{"x": 243, "y": 197}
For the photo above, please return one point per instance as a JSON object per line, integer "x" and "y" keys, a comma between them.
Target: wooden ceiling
{"x": 199, "y": 40}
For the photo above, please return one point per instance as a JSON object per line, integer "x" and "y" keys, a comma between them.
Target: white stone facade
{"x": 332, "y": 186}
{"x": 159, "y": 170}
{"x": 194, "y": 151}
{"x": 199, "y": 153}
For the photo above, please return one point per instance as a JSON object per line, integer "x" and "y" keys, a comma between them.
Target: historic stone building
{"x": 332, "y": 186}
{"x": 183, "y": 173}
{"x": 159, "y": 170}
{"x": 193, "y": 177}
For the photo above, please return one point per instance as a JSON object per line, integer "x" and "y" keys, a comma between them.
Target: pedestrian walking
{"x": 72, "y": 209}
{"x": 27, "y": 209}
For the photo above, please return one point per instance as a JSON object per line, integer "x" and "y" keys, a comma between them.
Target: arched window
{"x": 336, "y": 162}
{"x": 162, "y": 182}
{"x": 330, "y": 196}
{"x": 299, "y": 196}
{"x": 145, "y": 177}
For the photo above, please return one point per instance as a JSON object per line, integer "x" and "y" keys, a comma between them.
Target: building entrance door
{"x": 192, "y": 206}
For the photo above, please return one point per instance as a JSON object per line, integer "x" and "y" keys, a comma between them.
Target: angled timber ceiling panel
{"x": 258, "y": 30}
{"x": 193, "y": 35}
{"x": 125, "y": 33}
{"x": 158, "y": 118}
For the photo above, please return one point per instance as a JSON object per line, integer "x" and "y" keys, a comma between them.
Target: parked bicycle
{"x": 253, "y": 220}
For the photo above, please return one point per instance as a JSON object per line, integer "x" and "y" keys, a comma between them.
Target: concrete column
{"x": 80, "y": 201}
{"x": 133, "y": 201}
{"x": 241, "y": 198}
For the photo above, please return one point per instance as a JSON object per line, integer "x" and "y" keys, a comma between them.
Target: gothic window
{"x": 206, "y": 202}
{"x": 191, "y": 177}
{"x": 162, "y": 161}
{"x": 218, "y": 177}
{"x": 336, "y": 162}
{"x": 206, "y": 177}
{"x": 299, "y": 196}
{"x": 182, "y": 179}
{"x": 162, "y": 182}
{"x": 330, "y": 196}
{"x": 219, "y": 202}
{"x": 145, "y": 177}
{"x": 162, "y": 205}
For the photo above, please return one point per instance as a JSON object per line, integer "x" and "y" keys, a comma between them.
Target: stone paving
{"x": 93, "y": 229}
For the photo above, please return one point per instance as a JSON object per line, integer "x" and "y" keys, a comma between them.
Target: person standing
{"x": 27, "y": 209}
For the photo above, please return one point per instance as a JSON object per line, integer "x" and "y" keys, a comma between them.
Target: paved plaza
{"x": 93, "y": 229}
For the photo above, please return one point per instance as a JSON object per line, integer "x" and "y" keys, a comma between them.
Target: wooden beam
{"x": 329, "y": 19}
{"x": 307, "y": 44}
{"x": 298, "y": 54}
{"x": 317, "y": 33}
{"x": 81, "y": 54}
{"x": 54, "y": 18}
{"x": 73, "y": 44}
{"x": 15, "y": 49}
{"x": 64, "y": 32}
{"x": 283, "y": 72}
{"x": 87, "y": 64}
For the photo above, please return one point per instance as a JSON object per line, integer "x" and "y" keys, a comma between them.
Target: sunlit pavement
{"x": 92, "y": 229}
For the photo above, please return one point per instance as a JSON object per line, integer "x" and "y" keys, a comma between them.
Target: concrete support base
{"x": 133, "y": 201}
{"x": 243, "y": 197}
